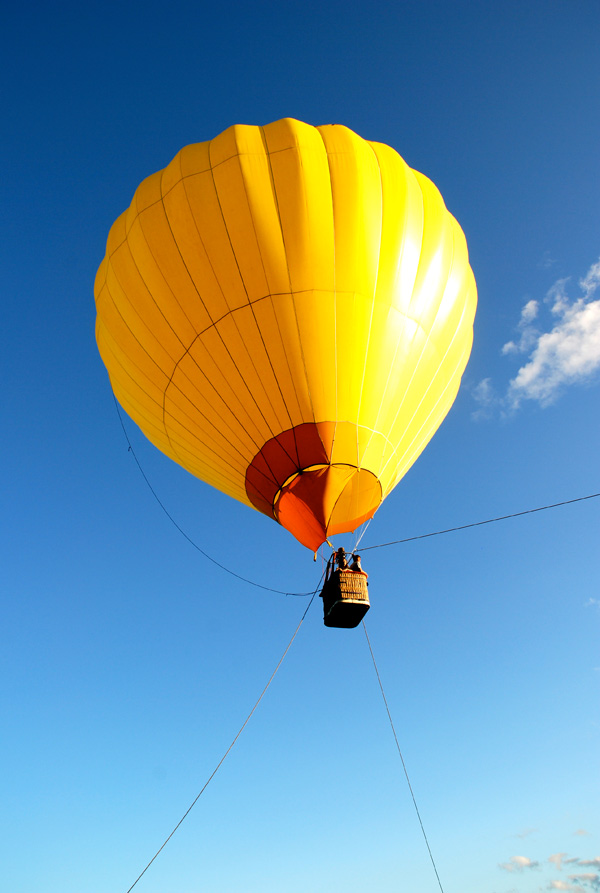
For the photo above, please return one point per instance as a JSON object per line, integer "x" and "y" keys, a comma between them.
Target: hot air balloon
{"x": 286, "y": 311}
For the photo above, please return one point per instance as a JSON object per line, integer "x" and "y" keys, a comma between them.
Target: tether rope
{"x": 408, "y": 539}
{"x": 542, "y": 508}
{"x": 401, "y": 758}
{"x": 225, "y": 755}
{"x": 182, "y": 531}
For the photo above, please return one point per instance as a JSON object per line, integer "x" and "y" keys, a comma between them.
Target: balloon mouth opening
{"x": 325, "y": 500}
{"x": 293, "y": 480}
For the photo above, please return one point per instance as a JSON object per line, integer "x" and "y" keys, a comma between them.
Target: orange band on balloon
{"x": 293, "y": 481}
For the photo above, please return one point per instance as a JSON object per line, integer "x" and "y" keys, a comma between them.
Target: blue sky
{"x": 129, "y": 662}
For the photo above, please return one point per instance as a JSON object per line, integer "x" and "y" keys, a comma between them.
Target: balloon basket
{"x": 345, "y": 599}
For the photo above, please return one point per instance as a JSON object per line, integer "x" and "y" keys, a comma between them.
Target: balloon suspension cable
{"x": 423, "y": 536}
{"x": 412, "y": 794}
{"x": 230, "y": 748}
{"x": 408, "y": 539}
{"x": 184, "y": 534}
{"x": 365, "y": 527}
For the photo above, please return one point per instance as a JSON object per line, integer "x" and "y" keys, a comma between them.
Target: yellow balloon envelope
{"x": 286, "y": 311}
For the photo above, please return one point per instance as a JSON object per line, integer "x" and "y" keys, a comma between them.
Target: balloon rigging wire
{"x": 230, "y": 748}
{"x": 401, "y": 758}
{"x": 182, "y": 531}
{"x": 313, "y": 594}
{"x": 408, "y": 539}
{"x": 422, "y": 536}
{"x": 365, "y": 527}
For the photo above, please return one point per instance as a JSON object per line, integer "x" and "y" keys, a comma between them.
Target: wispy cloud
{"x": 529, "y": 335}
{"x": 518, "y": 863}
{"x": 486, "y": 398}
{"x": 583, "y": 881}
{"x": 560, "y": 351}
{"x": 588, "y": 881}
{"x": 526, "y": 832}
{"x": 546, "y": 261}
{"x": 578, "y": 883}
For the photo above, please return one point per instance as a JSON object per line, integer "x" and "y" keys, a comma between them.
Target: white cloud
{"x": 591, "y": 281}
{"x": 528, "y": 334}
{"x": 584, "y": 881}
{"x": 569, "y": 354}
{"x": 518, "y": 863}
{"x": 487, "y": 398}
{"x": 565, "y": 354}
{"x": 484, "y": 392}
{"x": 529, "y": 313}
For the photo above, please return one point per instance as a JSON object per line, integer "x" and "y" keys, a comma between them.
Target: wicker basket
{"x": 345, "y": 599}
